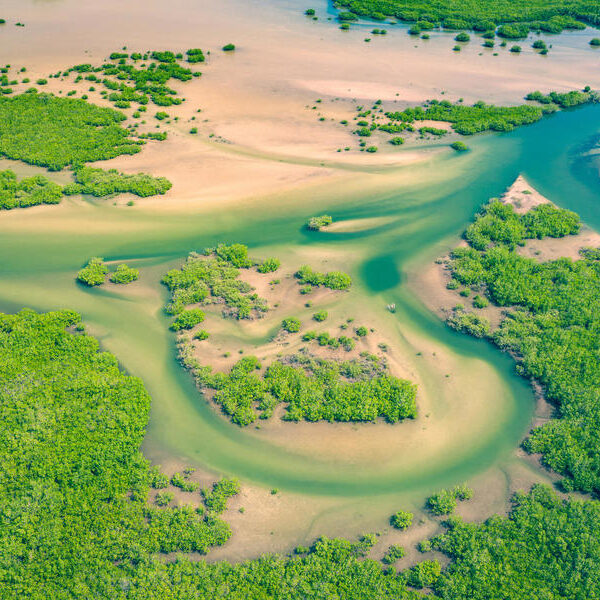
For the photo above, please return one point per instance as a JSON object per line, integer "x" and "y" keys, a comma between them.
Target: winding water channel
{"x": 40, "y": 252}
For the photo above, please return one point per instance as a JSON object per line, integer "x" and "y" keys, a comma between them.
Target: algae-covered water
{"x": 41, "y": 251}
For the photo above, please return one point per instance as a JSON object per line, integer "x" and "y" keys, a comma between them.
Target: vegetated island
{"x": 326, "y": 377}
{"x": 38, "y": 189}
{"x": 96, "y": 271}
{"x": 437, "y": 118}
{"x": 91, "y": 518}
{"x": 509, "y": 20}
{"x": 318, "y": 223}
{"x": 534, "y": 281}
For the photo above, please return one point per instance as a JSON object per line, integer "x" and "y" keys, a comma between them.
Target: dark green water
{"x": 40, "y": 256}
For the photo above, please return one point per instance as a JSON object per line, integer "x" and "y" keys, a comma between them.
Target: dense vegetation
{"x": 53, "y": 132}
{"x": 29, "y": 191}
{"x": 75, "y": 518}
{"x": 499, "y": 223}
{"x": 334, "y": 280}
{"x": 551, "y": 326}
{"x": 465, "y": 119}
{"x": 213, "y": 277}
{"x": 546, "y": 548}
{"x": 187, "y": 319}
{"x": 521, "y": 15}
{"x": 468, "y": 120}
{"x": 335, "y": 569}
{"x": 32, "y": 191}
{"x": 312, "y": 389}
{"x": 99, "y": 182}
{"x": 76, "y": 522}
{"x": 563, "y": 99}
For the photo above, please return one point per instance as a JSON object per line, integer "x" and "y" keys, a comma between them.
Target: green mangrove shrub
{"x": 124, "y": 274}
{"x": 317, "y": 223}
{"x": 94, "y": 273}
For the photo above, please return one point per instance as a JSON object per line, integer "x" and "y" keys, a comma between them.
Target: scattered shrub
{"x": 269, "y": 265}
{"x": 195, "y": 55}
{"x": 335, "y": 280}
{"x": 291, "y": 325}
{"x": 163, "y": 498}
{"x": 480, "y": 302}
{"x": 393, "y": 554}
{"x": 442, "y": 503}
{"x": 401, "y": 520}
{"x": 222, "y": 490}
{"x": 469, "y": 323}
{"x": 180, "y": 481}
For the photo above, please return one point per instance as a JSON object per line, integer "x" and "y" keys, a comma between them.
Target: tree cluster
{"x": 30, "y": 191}
{"x": 551, "y": 325}
{"x": 98, "y": 182}
{"x": 516, "y": 18}
{"x": 311, "y": 389}
{"x": 213, "y": 277}
{"x": 76, "y": 520}
{"x": 52, "y": 132}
